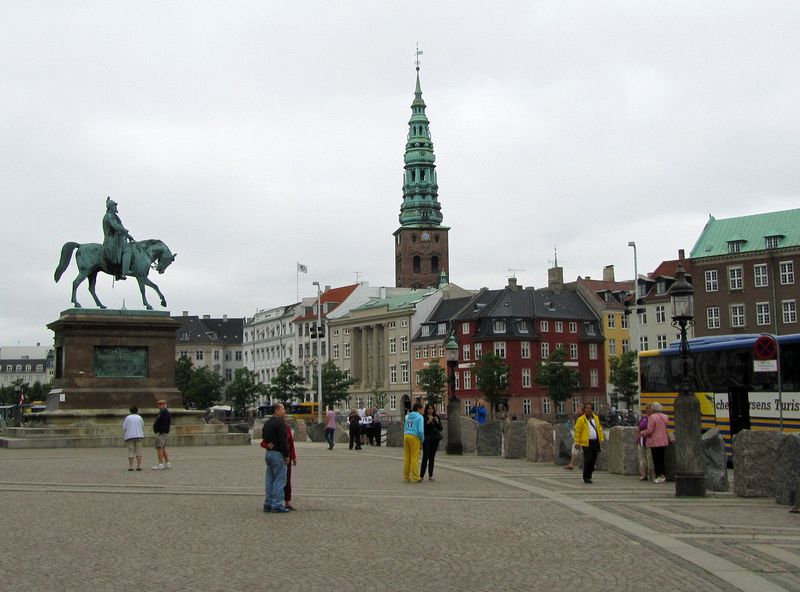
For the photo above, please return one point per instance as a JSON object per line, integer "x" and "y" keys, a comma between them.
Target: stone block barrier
{"x": 316, "y": 432}
{"x": 300, "y": 431}
{"x": 469, "y": 434}
{"x": 515, "y": 439}
{"x": 716, "y": 461}
{"x": 787, "y": 470}
{"x": 755, "y": 455}
{"x": 562, "y": 443}
{"x": 622, "y": 451}
{"x": 394, "y": 434}
{"x": 540, "y": 441}
{"x": 489, "y": 439}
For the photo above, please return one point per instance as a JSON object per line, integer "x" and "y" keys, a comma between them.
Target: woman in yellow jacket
{"x": 588, "y": 435}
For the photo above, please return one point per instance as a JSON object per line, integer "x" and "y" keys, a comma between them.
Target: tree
{"x": 378, "y": 396}
{"x": 491, "y": 376}
{"x": 433, "y": 381}
{"x": 183, "y": 374}
{"x": 335, "y": 384}
{"x": 204, "y": 389}
{"x": 561, "y": 381}
{"x": 287, "y": 384}
{"x": 244, "y": 390}
{"x": 625, "y": 377}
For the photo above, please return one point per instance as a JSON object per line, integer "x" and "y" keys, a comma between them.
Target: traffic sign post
{"x": 765, "y": 348}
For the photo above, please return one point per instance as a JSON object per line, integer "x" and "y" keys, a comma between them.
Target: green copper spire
{"x": 420, "y": 206}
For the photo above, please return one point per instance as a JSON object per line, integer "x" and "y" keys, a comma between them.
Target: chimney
{"x": 186, "y": 313}
{"x": 681, "y": 255}
{"x": 224, "y": 317}
{"x": 327, "y": 287}
{"x": 608, "y": 273}
{"x": 206, "y": 317}
{"x": 555, "y": 278}
{"x": 512, "y": 284}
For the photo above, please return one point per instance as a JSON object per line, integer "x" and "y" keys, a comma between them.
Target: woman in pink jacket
{"x": 657, "y": 440}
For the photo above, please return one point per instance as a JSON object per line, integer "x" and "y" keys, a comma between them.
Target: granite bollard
{"x": 300, "y": 431}
{"x": 394, "y": 434}
{"x": 716, "y": 461}
{"x": 515, "y": 434}
{"x": 540, "y": 441}
{"x": 489, "y": 439}
{"x": 563, "y": 439}
{"x": 469, "y": 434}
{"x": 754, "y": 460}
{"x": 787, "y": 470}
{"x": 622, "y": 453}
{"x": 316, "y": 432}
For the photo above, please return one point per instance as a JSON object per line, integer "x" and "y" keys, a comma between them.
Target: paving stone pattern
{"x": 485, "y": 523}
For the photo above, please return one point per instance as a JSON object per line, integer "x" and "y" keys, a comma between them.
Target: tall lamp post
{"x": 690, "y": 479}
{"x": 454, "y": 443}
{"x": 319, "y": 352}
{"x": 634, "y": 345}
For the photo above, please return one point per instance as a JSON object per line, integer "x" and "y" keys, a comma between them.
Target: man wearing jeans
{"x": 330, "y": 426}
{"x": 277, "y": 457}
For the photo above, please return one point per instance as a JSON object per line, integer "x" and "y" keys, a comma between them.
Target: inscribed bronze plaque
{"x": 120, "y": 362}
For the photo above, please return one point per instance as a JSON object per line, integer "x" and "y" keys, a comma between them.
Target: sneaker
{"x": 430, "y": 478}
{"x": 138, "y": 468}
{"x": 279, "y": 510}
{"x": 659, "y": 480}
{"x": 267, "y": 509}
{"x": 157, "y": 467}
{"x": 168, "y": 465}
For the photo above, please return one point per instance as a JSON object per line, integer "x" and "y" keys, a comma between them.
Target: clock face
{"x": 426, "y": 236}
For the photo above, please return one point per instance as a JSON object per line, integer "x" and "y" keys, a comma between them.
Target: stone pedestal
{"x": 394, "y": 435}
{"x": 469, "y": 434}
{"x": 716, "y": 461}
{"x": 787, "y": 470}
{"x": 490, "y": 438}
{"x": 515, "y": 435}
{"x": 562, "y": 443}
{"x": 112, "y": 359}
{"x": 622, "y": 452}
{"x": 540, "y": 441}
{"x": 754, "y": 460}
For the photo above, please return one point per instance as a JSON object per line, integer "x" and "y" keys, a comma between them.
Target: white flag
{"x": 302, "y": 268}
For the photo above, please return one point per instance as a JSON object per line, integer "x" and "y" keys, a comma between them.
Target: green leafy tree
{"x": 433, "y": 381}
{"x": 287, "y": 384}
{"x": 204, "y": 389}
{"x": 335, "y": 384}
{"x": 37, "y": 391}
{"x": 625, "y": 378}
{"x": 379, "y": 397}
{"x": 560, "y": 381}
{"x": 183, "y": 374}
{"x": 244, "y": 390}
{"x": 491, "y": 376}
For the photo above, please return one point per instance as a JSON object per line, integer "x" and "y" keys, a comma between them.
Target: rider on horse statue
{"x": 116, "y": 250}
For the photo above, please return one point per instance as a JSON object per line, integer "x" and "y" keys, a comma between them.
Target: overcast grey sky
{"x": 252, "y": 135}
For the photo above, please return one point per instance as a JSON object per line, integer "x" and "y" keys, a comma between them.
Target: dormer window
{"x": 522, "y": 326}
{"x": 426, "y": 330}
{"x": 772, "y": 242}
{"x": 661, "y": 287}
{"x": 499, "y": 326}
{"x": 735, "y": 246}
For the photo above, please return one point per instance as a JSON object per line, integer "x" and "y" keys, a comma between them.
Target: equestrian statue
{"x": 119, "y": 255}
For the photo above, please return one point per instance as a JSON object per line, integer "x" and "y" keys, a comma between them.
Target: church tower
{"x": 420, "y": 244}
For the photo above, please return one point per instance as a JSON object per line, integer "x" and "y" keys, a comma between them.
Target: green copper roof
{"x": 748, "y": 233}
{"x": 420, "y": 188}
{"x": 398, "y": 302}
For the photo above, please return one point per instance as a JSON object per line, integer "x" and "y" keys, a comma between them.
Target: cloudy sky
{"x": 252, "y": 135}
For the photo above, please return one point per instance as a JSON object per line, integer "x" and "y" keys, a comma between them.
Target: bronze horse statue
{"x": 89, "y": 259}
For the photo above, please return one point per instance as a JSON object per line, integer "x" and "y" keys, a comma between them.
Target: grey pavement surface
{"x": 76, "y": 519}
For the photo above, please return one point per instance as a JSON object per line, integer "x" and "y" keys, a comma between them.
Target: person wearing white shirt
{"x": 133, "y": 428}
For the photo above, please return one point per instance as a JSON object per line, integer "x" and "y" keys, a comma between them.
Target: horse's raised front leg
{"x": 152, "y": 285}
{"x": 92, "y": 283}
{"x": 77, "y": 282}
{"x": 141, "y": 289}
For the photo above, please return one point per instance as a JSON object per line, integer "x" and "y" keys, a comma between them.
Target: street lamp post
{"x": 319, "y": 352}
{"x": 690, "y": 479}
{"x": 634, "y": 344}
{"x": 454, "y": 443}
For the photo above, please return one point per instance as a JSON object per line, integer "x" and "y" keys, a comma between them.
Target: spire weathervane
{"x": 418, "y": 53}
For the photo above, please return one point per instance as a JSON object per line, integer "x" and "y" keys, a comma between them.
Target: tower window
{"x": 434, "y": 264}
{"x": 416, "y": 264}
{"x": 422, "y": 175}
{"x": 413, "y": 175}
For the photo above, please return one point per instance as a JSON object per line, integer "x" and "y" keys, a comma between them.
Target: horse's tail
{"x": 66, "y": 257}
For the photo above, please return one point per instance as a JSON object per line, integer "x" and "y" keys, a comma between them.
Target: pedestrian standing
{"x": 355, "y": 429}
{"x": 161, "y": 428}
{"x": 588, "y": 435}
{"x": 287, "y": 490}
{"x": 657, "y": 441}
{"x": 133, "y": 428}
{"x": 376, "y": 425}
{"x": 276, "y": 458}
{"x": 413, "y": 437}
{"x": 644, "y": 455}
{"x": 433, "y": 435}
{"x": 330, "y": 426}
{"x": 480, "y": 412}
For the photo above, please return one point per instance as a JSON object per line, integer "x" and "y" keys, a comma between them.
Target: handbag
{"x": 264, "y": 444}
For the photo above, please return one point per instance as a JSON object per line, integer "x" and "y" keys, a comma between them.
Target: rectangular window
{"x": 762, "y": 313}
{"x": 526, "y": 378}
{"x": 547, "y": 406}
{"x": 589, "y": 328}
{"x": 335, "y": 332}
{"x": 760, "y": 279}
{"x": 544, "y": 350}
{"x": 735, "y": 279}
{"x": 737, "y": 315}
{"x": 787, "y": 272}
{"x": 426, "y": 330}
{"x": 526, "y": 406}
{"x": 425, "y": 352}
{"x": 404, "y": 323}
{"x": 393, "y": 374}
{"x": 643, "y": 318}
{"x": 626, "y": 346}
{"x": 522, "y": 326}
{"x": 592, "y": 351}
{"x": 612, "y": 321}
{"x": 404, "y": 345}
{"x": 198, "y": 355}
{"x": 734, "y": 246}
{"x": 466, "y": 350}
{"x": 478, "y": 351}
{"x": 712, "y": 281}
{"x": 594, "y": 377}
{"x": 612, "y": 347}
{"x": 228, "y": 375}
{"x": 393, "y": 402}
{"x": 573, "y": 351}
{"x": 661, "y": 341}
{"x": 216, "y": 355}
{"x": 712, "y": 317}
{"x": 465, "y": 328}
{"x": 525, "y": 349}
{"x": 661, "y": 313}
{"x": 771, "y": 242}
{"x": 467, "y": 379}
{"x": 624, "y": 321}
{"x": 467, "y": 406}
{"x": 417, "y": 353}
{"x": 561, "y": 407}
{"x": 644, "y": 344}
{"x": 499, "y": 327}
{"x": 500, "y": 349}
{"x": 544, "y": 326}
{"x": 441, "y": 351}
{"x": 404, "y": 372}
{"x": 393, "y": 345}
{"x": 347, "y": 350}
{"x": 559, "y": 326}
{"x": 573, "y": 327}
{"x": 576, "y": 401}
{"x": 335, "y": 351}
{"x": 392, "y": 325}
{"x": 347, "y": 331}
{"x": 457, "y": 385}
{"x": 789, "y": 311}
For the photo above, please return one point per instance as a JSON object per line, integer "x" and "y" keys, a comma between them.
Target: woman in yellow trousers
{"x": 413, "y": 436}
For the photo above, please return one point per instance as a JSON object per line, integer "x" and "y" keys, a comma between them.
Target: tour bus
{"x": 305, "y": 411}
{"x": 736, "y": 390}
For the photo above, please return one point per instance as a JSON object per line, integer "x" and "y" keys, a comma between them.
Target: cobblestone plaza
{"x": 76, "y": 519}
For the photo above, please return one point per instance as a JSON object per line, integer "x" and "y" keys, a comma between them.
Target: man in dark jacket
{"x": 161, "y": 428}
{"x": 277, "y": 457}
